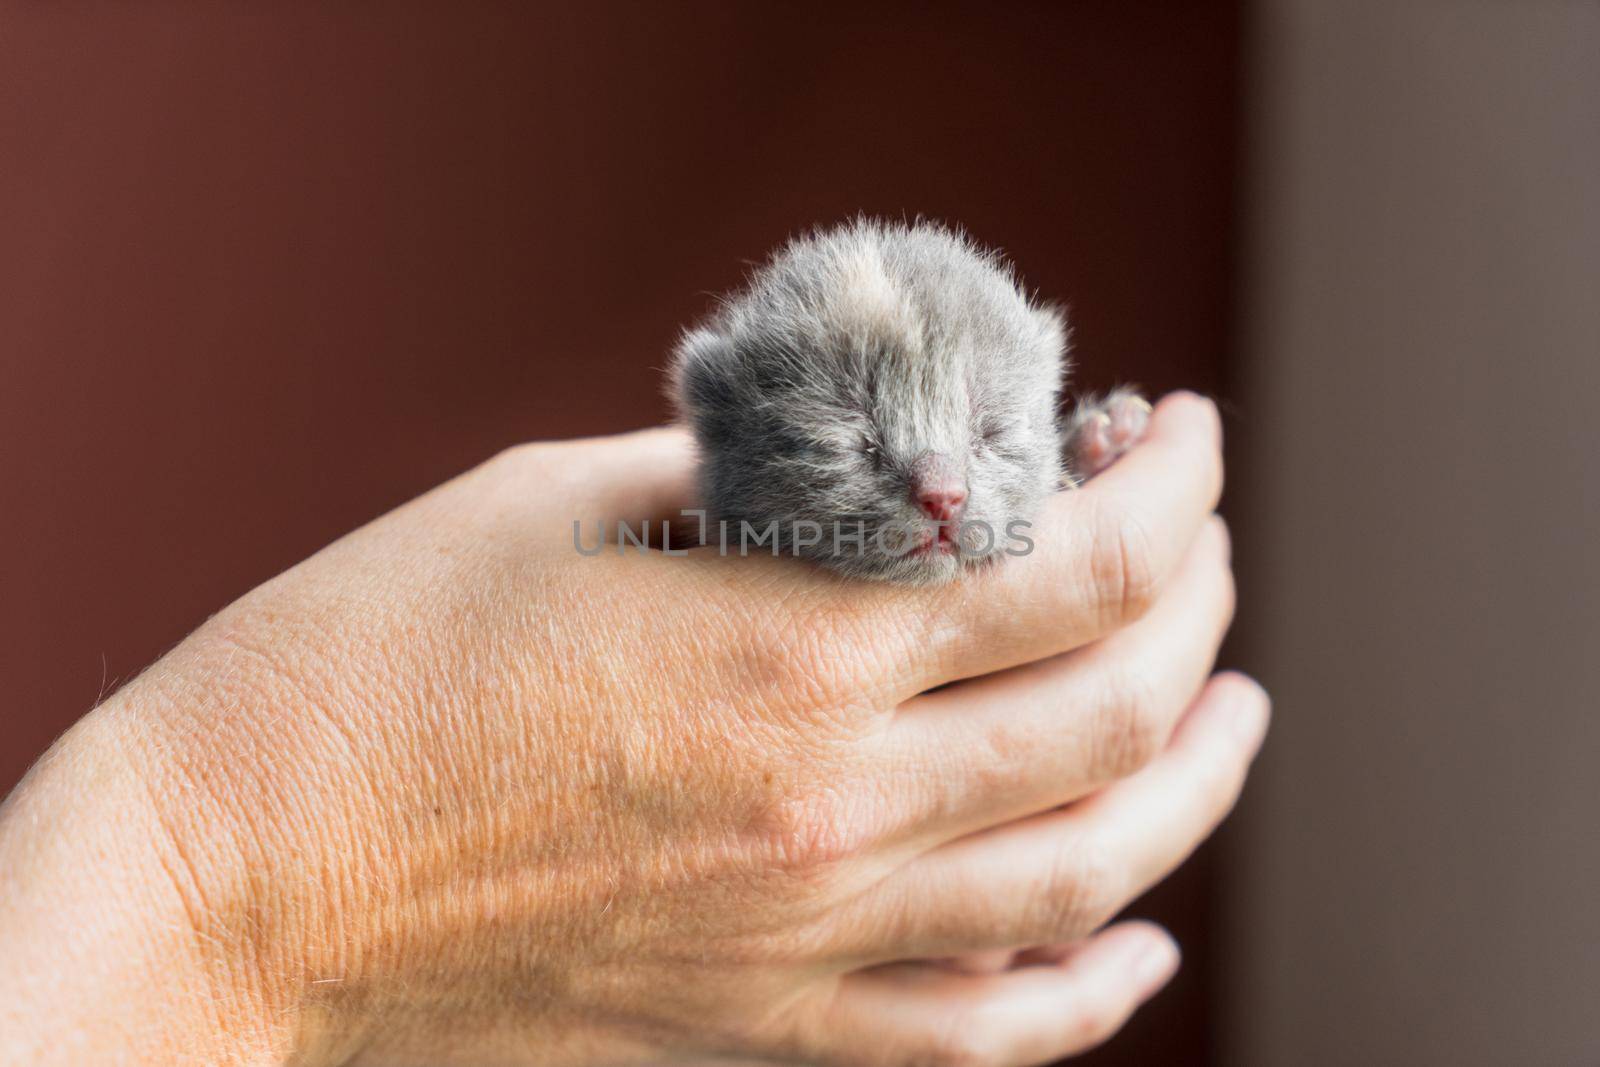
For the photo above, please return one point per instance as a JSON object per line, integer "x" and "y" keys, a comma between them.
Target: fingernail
{"x": 1155, "y": 964}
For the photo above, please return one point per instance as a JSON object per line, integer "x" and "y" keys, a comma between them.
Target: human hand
{"x": 448, "y": 792}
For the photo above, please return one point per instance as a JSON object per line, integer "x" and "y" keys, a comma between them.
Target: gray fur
{"x": 851, "y": 352}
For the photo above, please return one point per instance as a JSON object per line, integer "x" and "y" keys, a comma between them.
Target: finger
{"x": 1102, "y": 553}
{"x": 1057, "y": 876}
{"x": 1101, "y": 556}
{"x": 994, "y": 749}
{"x": 1025, "y": 1016}
{"x": 646, "y": 474}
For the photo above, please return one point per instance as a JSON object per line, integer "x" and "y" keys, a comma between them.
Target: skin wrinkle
{"x": 230, "y": 938}
{"x": 384, "y": 660}
{"x": 810, "y": 625}
{"x": 303, "y": 673}
{"x": 1126, "y": 733}
{"x": 230, "y": 999}
{"x": 227, "y": 915}
{"x": 769, "y": 648}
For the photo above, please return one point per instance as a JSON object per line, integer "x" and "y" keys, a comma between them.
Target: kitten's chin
{"x": 926, "y": 567}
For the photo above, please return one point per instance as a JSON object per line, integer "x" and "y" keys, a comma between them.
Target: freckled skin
{"x": 858, "y": 359}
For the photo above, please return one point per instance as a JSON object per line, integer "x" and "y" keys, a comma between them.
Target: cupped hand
{"x": 451, "y": 792}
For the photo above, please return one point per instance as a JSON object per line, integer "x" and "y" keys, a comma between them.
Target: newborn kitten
{"x": 893, "y": 385}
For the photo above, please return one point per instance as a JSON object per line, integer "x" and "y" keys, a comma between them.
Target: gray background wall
{"x": 1415, "y": 875}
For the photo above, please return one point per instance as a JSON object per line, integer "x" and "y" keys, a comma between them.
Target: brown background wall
{"x": 268, "y": 270}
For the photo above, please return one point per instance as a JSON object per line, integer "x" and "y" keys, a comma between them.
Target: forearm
{"x": 102, "y": 959}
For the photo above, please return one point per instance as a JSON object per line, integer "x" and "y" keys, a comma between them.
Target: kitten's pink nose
{"x": 938, "y": 487}
{"x": 942, "y": 505}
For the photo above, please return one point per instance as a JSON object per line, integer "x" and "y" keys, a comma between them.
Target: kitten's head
{"x": 889, "y": 384}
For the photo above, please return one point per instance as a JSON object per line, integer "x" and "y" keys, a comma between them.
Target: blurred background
{"x": 267, "y": 271}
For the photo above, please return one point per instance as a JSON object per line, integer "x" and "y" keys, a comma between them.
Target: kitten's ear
{"x": 1051, "y": 322}
{"x": 1055, "y": 336}
{"x": 702, "y": 365}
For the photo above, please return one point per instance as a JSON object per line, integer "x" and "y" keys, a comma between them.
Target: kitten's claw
{"x": 1102, "y": 430}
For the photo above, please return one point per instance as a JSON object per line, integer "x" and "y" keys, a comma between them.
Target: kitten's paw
{"x": 1103, "y": 429}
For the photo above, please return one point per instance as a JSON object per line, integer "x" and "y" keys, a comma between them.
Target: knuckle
{"x": 1092, "y": 883}
{"x": 509, "y": 473}
{"x": 518, "y": 454}
{"x": 519, "y": 460}
{"x": 810, "y": 835}
{"x": 1127, "y": 734}
{"x": 1122, "y": 565}
{"x": 1079, "y": 890}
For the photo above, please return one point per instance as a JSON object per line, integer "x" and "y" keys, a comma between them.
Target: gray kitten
{"x": 887, "y": 395}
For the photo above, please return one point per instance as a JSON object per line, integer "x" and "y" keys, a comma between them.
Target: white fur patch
{"x": 867, "y": 301}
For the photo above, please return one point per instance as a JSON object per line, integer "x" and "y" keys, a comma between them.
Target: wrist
{"x": 115, "y": 949}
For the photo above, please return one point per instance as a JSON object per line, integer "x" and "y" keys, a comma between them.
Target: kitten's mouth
{"x": 942, "y": 540}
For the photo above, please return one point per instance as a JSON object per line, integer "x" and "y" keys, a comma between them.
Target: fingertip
{"x": 1156, "y": 961}
{"x": 1242, "y": 687}
{"x": 1137, "y": 959}
{"x": 1187, "y": 407}
{"x": 1139, "y": 938}
{"x": 1134, "y": 946}
{"x": 1145, "y": 931}
{"x": 1244, "y": 702}
{"x": 1239, "y": 680}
